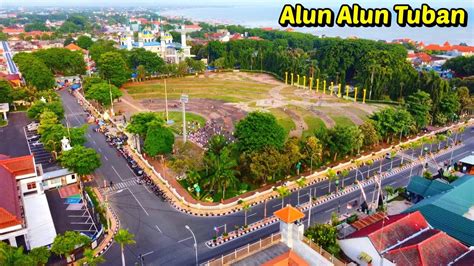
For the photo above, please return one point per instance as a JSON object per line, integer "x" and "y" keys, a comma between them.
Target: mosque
{"x": 171, "y": 52}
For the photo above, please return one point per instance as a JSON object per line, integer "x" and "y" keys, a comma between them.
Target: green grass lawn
{"x": 314, "y": 123}
{"x": 283, "y": 119}
{"x": 3, "y": 123}
{"x": 229, "y": 90}
{"x": 177, "y": 117}
{"x": 343, "y": 121}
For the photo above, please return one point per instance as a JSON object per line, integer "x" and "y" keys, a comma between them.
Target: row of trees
{"x": 462, "y": 65}
{"x": 38, "y": 68}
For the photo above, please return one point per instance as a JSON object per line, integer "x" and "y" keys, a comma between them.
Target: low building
{"x": 451, "y": 211}
{"x": 420, "y": 187}
{"x": 467, "y": 164}
{"x": 58, "y": 178}
{"x": 402, "y": 239}
{"x": 25, "y": 217}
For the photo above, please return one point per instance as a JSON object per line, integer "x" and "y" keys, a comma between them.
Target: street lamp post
{"x": 195, "y": 243}
{"x": 184, "y": 100}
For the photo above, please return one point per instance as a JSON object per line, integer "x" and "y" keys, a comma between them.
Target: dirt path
{"x": 326, "y": 119}
{"x": 300, "y": 124}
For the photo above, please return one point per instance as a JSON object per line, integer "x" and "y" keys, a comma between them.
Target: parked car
{"x": 32, "y": 126}
{"x": 33, "y": 138}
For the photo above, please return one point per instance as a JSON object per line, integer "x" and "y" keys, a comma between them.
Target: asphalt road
{"x": 160, "y": 230}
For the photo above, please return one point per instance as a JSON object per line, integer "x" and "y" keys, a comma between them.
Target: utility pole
{"x": 184, "y": 100}
{"x": 111, "y": 100}
{"x": 166, "y": 104}
{"x": 309, "y": 210}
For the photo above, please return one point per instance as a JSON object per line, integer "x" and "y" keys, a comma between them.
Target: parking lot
{"x": 41, "y": 155}
{"x": 70, "y": 213}
{"x": 13, "y": 142}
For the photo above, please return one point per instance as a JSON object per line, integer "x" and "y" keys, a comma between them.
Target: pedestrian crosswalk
{"x": 122, "y": 185}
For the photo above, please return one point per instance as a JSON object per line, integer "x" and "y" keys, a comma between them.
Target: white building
{"x": 171, "y": 52}
{"x": 25, "y": 217}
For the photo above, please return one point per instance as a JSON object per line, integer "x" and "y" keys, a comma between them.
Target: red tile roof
{"x": 7, "y": 219}
{"x": 423, "y": 57}
{"x": 447, "y": 47}
{"x": 9, "y": 199}
{"x": 73, "y": 47}
{"x": 19, "y": 166}
{"x": 389, "y": 231}
{"x": 289, "y": 258}
{"x": 432, "y": 247}
{"x": 366, "y": 221}
{"x": 13, "y": 30}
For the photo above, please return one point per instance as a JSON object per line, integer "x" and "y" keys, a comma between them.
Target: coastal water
{"x": 259, "y": 15}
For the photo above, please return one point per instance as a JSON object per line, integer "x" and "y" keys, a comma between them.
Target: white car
{"x": 32, "y": 126}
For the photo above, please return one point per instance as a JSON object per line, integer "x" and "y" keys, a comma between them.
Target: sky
{"x": 158, "y": 3}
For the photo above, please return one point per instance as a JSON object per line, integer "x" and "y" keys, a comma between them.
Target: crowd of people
{"x": 211, "y": 128}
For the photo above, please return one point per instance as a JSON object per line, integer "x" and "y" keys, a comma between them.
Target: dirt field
{"x": 227, "y": 97}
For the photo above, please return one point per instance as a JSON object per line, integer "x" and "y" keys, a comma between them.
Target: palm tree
{"x": 393, "y": 153}
{"x": 12, "y": 256}
{"x": 390, "y": 190}
{"x": 301, "y": 183}
{"x": 283, "y": 192}
{"x": 222, "y": 170}
{"x": 91, "y": 260}
{"x": 246, "y": 207}
{"x": 344, "y": 173}
{"x": 332, "y": 176}
{"x": 358, "y": 163}
{"x": 460, "y": 131}
{"x": 440, "y": 138}
{"x": 123, "y": 237}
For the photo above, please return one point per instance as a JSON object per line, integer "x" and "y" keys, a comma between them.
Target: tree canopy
{"x": 6, "y": 91}
{"x": 139, "y": 123}
{"x": 84, "y": 42}
{"x": 259, "y": 130}
{"x": 419, "y": 105}
{"x": 103, "y": 93}
{"x": 62, "y": 61}
{"x": 34, "y": 71}
{"x": 80, "y": 160}
{"x": 149, "y": 60}
{"x": 461, "y": 65}
{"x": 159, "y": 139}
{"x": 113, "y": 67}
{"x": 65, "y": 244}
{"x": 38, "y": 107}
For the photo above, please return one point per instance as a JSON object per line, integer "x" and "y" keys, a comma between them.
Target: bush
{"x": 97, "y": 207}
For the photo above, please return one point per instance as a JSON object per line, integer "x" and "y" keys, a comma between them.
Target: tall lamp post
{"x": 195, "y": 243}
{"x": 184, "y": 100}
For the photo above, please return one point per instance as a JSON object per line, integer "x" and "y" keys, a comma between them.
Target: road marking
{"x": 330, "y": 210}
{"x": 182, "y": 240}
{"x": 250, "y": 215}
{"x": 304, "y": 195}
{"x": 105, "y": 157}
{"x": 138, "y": 202}
{"x": 100, "y": 150}
{"x": 113, "y": 168}
{"x": 279, "y": 204}
{"x": 93, "y": 141}
{"x": 158, "y": 228}
{"x": 89, "y": 135}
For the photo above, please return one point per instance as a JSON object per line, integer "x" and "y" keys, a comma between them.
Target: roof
{"x": 41, "y": 230}
{"x": 289, "y": 214}
{"x": 19, "y": 166}
{"x": 468, "y": 160}
{"x": 418, "y": 185}
{"x": 10, "y": 197}
{"x": 368, "y": 220}
{"x": 391, "y": 230}
{"x": 56, "y": 173}
{"x": 7, "y": 219}
{"x": 466, "y": 259}
{"x": 452, "y": 211}
{"x": 432, "y": 247}
{"x": 73, "y": 47}
{"x": 287, "y": 259}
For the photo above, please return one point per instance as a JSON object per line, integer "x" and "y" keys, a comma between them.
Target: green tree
{"x": 371, "y": 136}
{"x": 80, "y": 160}
{"x": 89, "y": 81}
{"x": 462, "y": 65}
{"x": 34, "y": 71}
{"x": 313, "y": 151}
{"x": 103, "y": 93}
{"x": 267, "y": 165}
{"x": 141, "y": 72}
{"x": 324, "y": 235}
{"x": 39, "y": 255}
{"x": 6, "y": 92}
{"x": 12, "y": 256}
{"x": 419, "y": 105}
{"x": 151, "y": 61}
{"x": 101, "y": 47}
{"x": 52, "y": 134}
{"x": 123, "y": 238}
{"x": 450, "y": 106}
{"x": 84, "y": 42}
{"x": 140, "y": 122}
{"x": 222, "y": 172}
{"x": 90, "y": 259}
{"x": 187, "y": 159}
{"x": 113, "y": 67}
{"x": 259, "y": 130}
{"x": 68, "y": 41}
{"x": 332, "y": 176}
{"x": 65, "y": 244}
{"x": 301, "y": 182}
{"x": 62, "y": 61}
{"x": 38, "y": 107}
{"x": 246, "y": 207}
{"x": 465, "y": 98}
{"x": 283, "y": 192}
{"x": 159, "y": 140}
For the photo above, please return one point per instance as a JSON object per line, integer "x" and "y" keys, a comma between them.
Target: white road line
{"x": 93, "y": 141}
{"x": 89, "y": 135}
{"x": 182, "y": 240}
{"x": 138, "y": 202}
{"x": 279, "y": 204}
{"x": 330, "y": 210}
{"x": 105, "y": 157}
{"x": 113, "y": 168}
{"x": 100, "y": 150}
{"x": 250, "y": 215}
{"x": 304, "y": 195}
{"x": 158, "y": 228}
